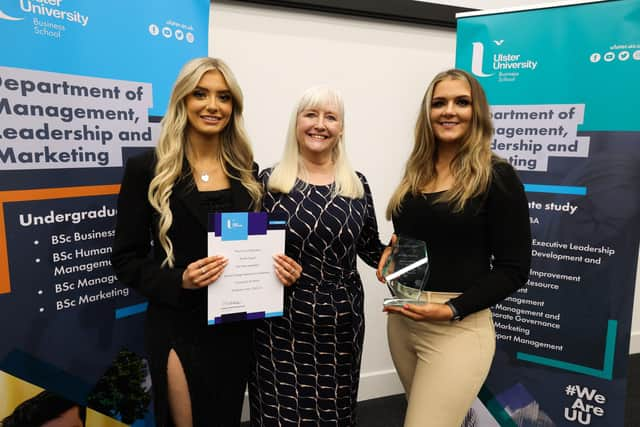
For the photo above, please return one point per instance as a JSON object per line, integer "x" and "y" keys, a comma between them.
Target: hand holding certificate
{"x": 248, "y": 288}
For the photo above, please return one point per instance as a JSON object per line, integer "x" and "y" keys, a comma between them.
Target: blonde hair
{"x": 284, "y": 174}
{"x": 235, "y": 151}
{"x": 471, "y": 167}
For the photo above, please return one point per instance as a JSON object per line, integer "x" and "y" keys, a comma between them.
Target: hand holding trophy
{"x": 406, "y": 271}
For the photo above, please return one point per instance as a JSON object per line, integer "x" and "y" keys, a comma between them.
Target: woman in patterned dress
{"x": 307, "y": 364}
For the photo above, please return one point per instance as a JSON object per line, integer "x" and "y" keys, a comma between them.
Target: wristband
{"x": 456, "y": 313}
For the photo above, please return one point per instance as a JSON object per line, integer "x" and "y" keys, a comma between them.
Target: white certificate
{"x": 248, "y": 288}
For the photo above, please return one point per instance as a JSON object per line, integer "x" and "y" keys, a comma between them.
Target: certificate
{"x": 248, "y": 287}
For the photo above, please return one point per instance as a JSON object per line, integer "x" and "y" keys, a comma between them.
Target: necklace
{"x": 204, "y": 176}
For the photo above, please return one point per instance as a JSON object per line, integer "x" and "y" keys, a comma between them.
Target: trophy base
{"x": 399, "y": 302}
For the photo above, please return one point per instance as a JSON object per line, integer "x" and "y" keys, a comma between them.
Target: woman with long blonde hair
{"x": 470, "y": 209}
{"x": 307, "y": 365}
{"x": 202, "y": 163}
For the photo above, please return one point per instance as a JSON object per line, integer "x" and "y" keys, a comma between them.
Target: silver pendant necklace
{"x": 204, "y": 176}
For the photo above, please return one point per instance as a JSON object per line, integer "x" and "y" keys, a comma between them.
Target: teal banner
{"x": 83, "y": 86}
{"x": 563, "y": 86}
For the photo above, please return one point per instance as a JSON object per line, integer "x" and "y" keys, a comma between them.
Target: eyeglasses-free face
{"x": 451, "y": 110}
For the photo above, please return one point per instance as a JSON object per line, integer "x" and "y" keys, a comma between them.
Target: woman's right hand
{"x": 287, "y": 270}
{"x": 383, "y": 259}
{"x": 419, "y": 312}
{"x": 203, "y": 272}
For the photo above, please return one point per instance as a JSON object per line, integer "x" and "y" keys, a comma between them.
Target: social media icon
{"x": 595, "y": 57}
{"x": 609, "y": 56}
{"x": 154, "y": 30}
{"x": 166, "y": 31}
{"x": 179, "y": 34}
{"x": 636, "y": 55}
{"x": 623, "y": 55}
{"x": 190, "y": 37}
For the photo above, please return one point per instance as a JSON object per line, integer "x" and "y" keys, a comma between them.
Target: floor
{"x": 389, "y": 411}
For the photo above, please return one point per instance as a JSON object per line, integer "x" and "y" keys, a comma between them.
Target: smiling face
{"x": 451, "y": 111}
{"x": 318, "y": 129}
{"x": 209, "y": 107}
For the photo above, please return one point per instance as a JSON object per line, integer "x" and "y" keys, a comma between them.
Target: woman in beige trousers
{"x": 470, "y": 209}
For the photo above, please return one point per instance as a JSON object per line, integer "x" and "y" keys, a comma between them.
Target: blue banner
{"x": 563, "y": 87}
{"x": 83, "y": 86}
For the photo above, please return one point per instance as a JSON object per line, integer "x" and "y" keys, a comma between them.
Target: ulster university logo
{"x": 8, "y": 18}
{"x": 477, "y": 59}
{"x": 505, "y": 65}
{"x": 50, "y": 12}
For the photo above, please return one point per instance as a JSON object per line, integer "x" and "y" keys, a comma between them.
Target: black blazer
{"x": 137, "y": 261}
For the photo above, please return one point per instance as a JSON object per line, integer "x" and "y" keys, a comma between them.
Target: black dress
{"x": 215, "y": 359}
{"x": 307, "y": 365}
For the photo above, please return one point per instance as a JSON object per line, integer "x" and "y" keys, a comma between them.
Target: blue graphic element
{"x": 273, "y": 314}
{"x": 514, "y": 398}
{"x": 609, "y": 352}
{"x": 277, "y": 222}
{"x": 256, "y": 315}
{"x": 137, "y": 41}
{"x": 235, "y": 317}
{"x": 562, "y": 60}
{"x": 555, "y": 189}
{"x": 258, "y": 223}
{"x": 131, "y": 310}
{"x": 235, "y": 226}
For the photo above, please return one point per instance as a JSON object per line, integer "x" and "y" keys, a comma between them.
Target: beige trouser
{"x": 441, "y": 365}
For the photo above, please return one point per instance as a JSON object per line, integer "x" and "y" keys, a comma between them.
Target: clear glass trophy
{"x": 406, "y": 271}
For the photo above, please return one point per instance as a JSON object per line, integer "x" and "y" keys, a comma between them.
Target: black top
{"x": 176, "y": 318}
{"x": 138, "y": 262}
{"x": 461, "y": 245}
{"x": 217, "y": 200}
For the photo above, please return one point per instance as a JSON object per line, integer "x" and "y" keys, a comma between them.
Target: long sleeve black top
{"x": 483, "y": 251}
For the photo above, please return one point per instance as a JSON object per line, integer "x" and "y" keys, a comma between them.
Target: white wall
{"x": 382, "y": 69}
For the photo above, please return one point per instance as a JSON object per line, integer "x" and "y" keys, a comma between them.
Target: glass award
{"x": 406, "y": 271}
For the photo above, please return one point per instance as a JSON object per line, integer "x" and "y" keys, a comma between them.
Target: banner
{"x": 83, "y": 86}
{"x": 563, "y": 85}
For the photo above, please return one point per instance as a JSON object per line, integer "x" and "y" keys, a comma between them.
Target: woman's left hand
{"x": 287, "y": 270}
{"x": 429, "y": 311}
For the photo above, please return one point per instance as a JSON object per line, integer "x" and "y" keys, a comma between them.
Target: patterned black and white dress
{"x": 307, "y": 364}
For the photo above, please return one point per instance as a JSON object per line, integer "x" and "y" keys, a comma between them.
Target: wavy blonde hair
{"x": 284, "y": 174}
{"x": 471, "y": 167}
{"x": 235, "y": 150}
